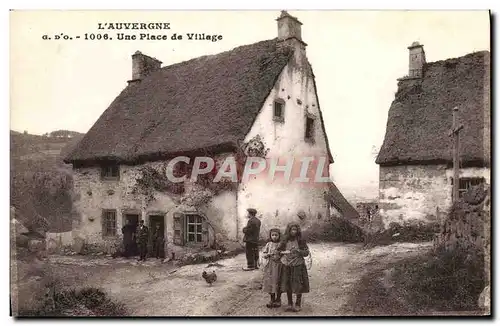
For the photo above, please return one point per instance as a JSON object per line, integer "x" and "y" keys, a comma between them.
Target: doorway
{"x": 154, "y": 221}
{"x": 134, "y": 220}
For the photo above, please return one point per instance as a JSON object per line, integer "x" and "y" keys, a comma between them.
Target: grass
{"x": 406, "y": 232}
{"x": 437, "y": 281}
{"x": 338, "y": 230}
{"x": 87, "y": 301}
{"x": 445, "y": 280}
{"x": 342, "y": 230}
{"x": 371, "y": 297}
{"x": 41, "y": 184}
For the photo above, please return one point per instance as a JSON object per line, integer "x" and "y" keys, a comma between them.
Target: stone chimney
{"x": 143, "y": 65}
{"x": 289, "y": 28}
{"x": 417, "y": 60}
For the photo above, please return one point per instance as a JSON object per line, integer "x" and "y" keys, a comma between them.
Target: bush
{"x": 338, "y": 230}
{"x": 87, "y": 301}
{"x": 406, "y": 232}
{"x": 414, "y": 231}
{"x": 443, "y": 280}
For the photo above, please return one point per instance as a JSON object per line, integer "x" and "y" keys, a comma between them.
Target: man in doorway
{"x": 142, "y": 240}
{"x": 128, "y": 239}
{"x": 158, "y": 242}
{"x": 251, "y": 238}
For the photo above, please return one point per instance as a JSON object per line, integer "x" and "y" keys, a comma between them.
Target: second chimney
{"x": 417, "y": 60}
{"x": 289, "y": 27}
{"x": 143, "y": 65}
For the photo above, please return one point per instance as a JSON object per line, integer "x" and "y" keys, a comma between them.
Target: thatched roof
{"x": 205, "y": 103}
{"x": 420, "y": 117}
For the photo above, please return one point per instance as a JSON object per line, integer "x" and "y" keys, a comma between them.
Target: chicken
{"x": 210, "y": 278}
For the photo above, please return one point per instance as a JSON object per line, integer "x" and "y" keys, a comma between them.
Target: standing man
{"x": 251, "y": 239}
{"x": 128, "y": 239}
{"x": 142, "y": 240}
{"x": 158, "y": 242}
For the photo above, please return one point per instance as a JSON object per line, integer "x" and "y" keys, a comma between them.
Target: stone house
{"x": 416, "y": 158}
{"x": 254, "y": 100}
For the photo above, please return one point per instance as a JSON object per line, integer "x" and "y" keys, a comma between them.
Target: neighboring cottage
{"x": 255, "y": 100}
{"x": 415, "y": 160}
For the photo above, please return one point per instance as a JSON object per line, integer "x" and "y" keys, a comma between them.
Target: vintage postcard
{"x": 250, "y": 163}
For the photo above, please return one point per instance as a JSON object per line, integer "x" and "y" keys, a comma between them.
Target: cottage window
{"x": 309, "y": 132}
{"x": 279, "y": 111}
{"x": 189, "y": 229}
{"x": 467, "y": 183}
{"x": 194, "y": 226}
{"x": 110, "y": 172}
{"x": 109, "y": 222}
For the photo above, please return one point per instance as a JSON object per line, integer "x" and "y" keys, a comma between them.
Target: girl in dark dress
{"x": 294, "y": 277}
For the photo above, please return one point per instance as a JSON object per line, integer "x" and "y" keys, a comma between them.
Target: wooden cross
{"x": 455, "y": 132}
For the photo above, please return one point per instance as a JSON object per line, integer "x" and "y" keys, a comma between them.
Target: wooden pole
{"x": 456, "y": 154}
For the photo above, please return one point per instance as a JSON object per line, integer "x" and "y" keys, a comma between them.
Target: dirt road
{"x": 155, "y": 289}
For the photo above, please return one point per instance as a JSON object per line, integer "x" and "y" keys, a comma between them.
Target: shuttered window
{"x": 190, "y": 229}
{"x": 179, "y": 229}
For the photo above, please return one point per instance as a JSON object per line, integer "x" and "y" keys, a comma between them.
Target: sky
{"x": 357, "y": 57}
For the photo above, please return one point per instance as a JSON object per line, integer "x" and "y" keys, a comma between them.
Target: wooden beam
{"x": 456, "y": 154}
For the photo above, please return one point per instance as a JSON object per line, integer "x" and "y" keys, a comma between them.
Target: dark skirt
{"x": 294, "y": 279}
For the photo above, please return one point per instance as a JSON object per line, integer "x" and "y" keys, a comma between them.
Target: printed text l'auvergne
{"x": 133, "y": 26}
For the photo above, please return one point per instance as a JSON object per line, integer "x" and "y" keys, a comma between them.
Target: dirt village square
{"x": 205, "y": 189}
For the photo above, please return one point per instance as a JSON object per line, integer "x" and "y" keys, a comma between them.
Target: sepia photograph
{"x": 274, "y": 163}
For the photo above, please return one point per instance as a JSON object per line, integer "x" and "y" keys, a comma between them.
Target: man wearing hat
{"x": 251, "y": 239}
{"x": 142, "y": 240}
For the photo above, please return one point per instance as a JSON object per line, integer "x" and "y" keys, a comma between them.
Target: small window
{"x": 467, "y": 183}
{"x": 180, "y": 169}
{"x": 109, "y": 223}
{"x": 110, "y": 172}
{"x": 309, "y": 134}
{"x": 194, "y": 229}
{"x": 279, "y": 111}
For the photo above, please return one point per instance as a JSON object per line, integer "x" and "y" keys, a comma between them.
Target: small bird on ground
{"x": 209, "y": 278}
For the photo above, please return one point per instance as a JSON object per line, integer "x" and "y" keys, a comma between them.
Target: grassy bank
{"x": 436, "y": 281}
{"x": 87, "y": 301}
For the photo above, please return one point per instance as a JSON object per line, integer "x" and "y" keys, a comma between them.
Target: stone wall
{"x": 55, "y": 242}
{"x": 418, "y": 192}
{"x": 468, "y": 226}
{"x": 468, "y": 223}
